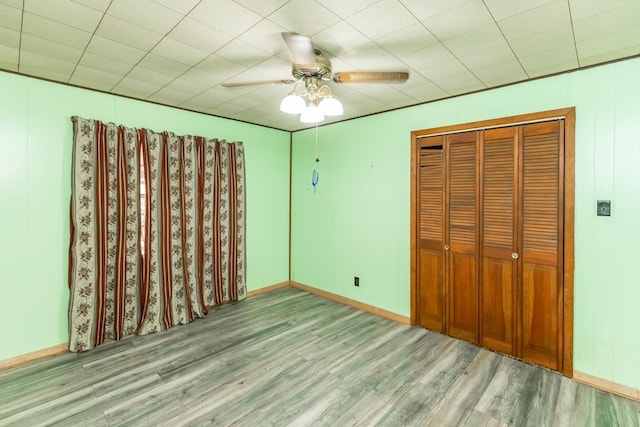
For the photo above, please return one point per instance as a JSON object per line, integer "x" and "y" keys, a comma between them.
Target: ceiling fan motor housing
{"x": 321, "y": 69}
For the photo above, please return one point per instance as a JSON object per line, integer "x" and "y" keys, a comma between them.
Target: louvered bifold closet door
{"x": 430, "y": 290}
{"x": 542, "y": 213}
{"x": 498, "y": 278}
{"x": 461, "y": 239}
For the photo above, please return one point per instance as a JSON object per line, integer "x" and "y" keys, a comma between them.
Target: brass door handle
{"x": 446, "y": 247}
{"x": 515, "y": 255}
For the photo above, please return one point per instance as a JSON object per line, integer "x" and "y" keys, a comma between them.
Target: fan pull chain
{"x": 315, "y": 176}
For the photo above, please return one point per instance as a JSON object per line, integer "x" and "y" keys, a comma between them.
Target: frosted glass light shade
{"x": 330, "y": 106}
{"x": 311, "y": 114}
{"x": 292, "y": 104}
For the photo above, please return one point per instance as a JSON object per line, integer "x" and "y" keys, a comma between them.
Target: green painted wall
{"x": 35, "y": 168}
{"x": 357, "y": 223}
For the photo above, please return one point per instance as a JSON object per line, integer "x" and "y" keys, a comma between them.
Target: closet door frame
{"x": 568, "y": 114}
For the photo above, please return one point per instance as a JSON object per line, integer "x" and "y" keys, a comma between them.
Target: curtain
{"x": 157, "y": 230}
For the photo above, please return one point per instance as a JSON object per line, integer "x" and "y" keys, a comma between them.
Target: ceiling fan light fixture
{"x": 331, "y": 106}
{"x": 311, "y": 98}
{"x": 311, "y": 114}
{"x": 292, "y": 104}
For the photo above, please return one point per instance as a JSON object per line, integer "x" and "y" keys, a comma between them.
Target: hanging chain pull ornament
{"x": 315, "y": 176}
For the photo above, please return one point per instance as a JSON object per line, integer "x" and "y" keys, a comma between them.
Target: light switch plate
{"x": 604, "y": 208}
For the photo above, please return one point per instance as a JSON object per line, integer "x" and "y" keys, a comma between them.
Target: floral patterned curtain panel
{"x": 157, "y": 230}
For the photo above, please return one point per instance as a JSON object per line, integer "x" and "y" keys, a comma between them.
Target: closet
{"x": 490, "y": 237}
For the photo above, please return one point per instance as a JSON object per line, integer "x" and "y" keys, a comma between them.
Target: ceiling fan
{"x": 310, "y": 97}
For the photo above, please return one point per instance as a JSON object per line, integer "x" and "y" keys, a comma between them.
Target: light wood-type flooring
{"x": 288, "y": 357}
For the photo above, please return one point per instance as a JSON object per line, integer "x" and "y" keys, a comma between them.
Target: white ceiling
{"x": 178, "y": 52}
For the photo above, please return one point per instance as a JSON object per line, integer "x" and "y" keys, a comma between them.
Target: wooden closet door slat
{"x": 499, "y": 269}
{"x": 430, "y": 291}
{"x": 462, "y": 318}
{"x": 541, "y": 340}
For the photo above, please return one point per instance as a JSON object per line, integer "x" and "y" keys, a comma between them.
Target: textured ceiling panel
{"x": 180, "y": 53}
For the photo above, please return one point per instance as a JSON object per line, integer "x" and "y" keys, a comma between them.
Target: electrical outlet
{"x": 356, "y": 281}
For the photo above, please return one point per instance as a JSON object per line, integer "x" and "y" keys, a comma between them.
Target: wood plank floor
{"x": 292, "y": 358}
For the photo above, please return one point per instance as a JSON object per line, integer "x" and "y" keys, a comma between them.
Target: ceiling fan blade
{"x": 371, "y": 77}
{"x": 300, "y": 47}
{"x": 259, "y": 83}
